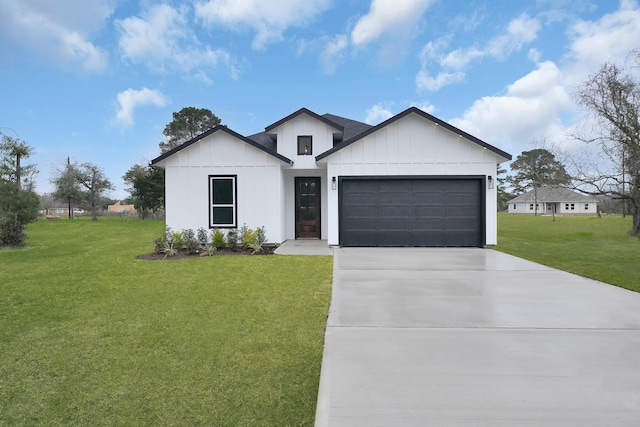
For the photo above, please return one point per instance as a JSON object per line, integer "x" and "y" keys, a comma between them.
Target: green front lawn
{"x": 90, "y": 335}
{"x": 599, "y": 248}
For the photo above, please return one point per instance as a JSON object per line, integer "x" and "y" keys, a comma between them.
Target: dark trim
{"x": 228, "y": 131}
{"x": 421, "y": 113}
{"x": 483, "y": 195}
{"x": 308, "y": 112}
{"x": 235, "y": 200}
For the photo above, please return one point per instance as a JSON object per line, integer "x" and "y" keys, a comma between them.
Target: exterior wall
{"x": 304, "y": 124}
{"x": 259, "y": 190}
{"x": 412, "y": 146}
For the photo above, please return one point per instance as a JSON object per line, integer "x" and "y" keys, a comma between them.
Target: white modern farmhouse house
{"x": 412, "y": 180}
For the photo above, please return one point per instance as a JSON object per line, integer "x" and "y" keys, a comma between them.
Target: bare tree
{"x": 92, "y": 178}
{"x": 612, "y": 97}
{"x": 66, "y": 185}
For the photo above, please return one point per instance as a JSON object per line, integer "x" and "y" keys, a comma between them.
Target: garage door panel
{"x": 411, "y": 212}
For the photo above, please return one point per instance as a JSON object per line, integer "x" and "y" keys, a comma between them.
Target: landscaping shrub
{"x": 233, "y": 239}
{"x": 217, "y": 239}
{"x": 191, "y": 243}
{"x": 11, "y": 232}
{"x": 203, "y": 237}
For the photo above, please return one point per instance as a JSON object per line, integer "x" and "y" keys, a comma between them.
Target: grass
{"x": 598, "y": 248}
{"x": 90, "y": 335}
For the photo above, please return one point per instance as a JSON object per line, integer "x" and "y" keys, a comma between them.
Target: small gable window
{"x": 222, "y": 201}
{"x": 305, "y": 147}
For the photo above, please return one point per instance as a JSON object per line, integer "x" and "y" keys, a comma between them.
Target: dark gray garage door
{"x": 411, "y": 212}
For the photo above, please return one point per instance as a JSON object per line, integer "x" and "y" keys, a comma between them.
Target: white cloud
{"x": 427, "y": 107}
{"x": 534, "y": 107}
{"x": 268, "y": 19}
{"x": 130, "y": 99}
{"x": 519, "y": 32}
{"x": 162, "y": 40}
{"x": 388, "y": 16}
{"x": 529, "y": 110}
{"x": 377, "y": 114}
{"x": 610, "y": 38}
{"x": 332, "y": 52}
{"x": 425, "y": 82}
{"x": 58, "y": 30}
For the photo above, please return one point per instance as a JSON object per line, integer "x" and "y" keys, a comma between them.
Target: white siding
{"x": 303, "y": 124}
{"x": 259, "y": 189}
{"x": 415, "y": 146}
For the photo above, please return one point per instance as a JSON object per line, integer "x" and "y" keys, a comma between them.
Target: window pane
{"x": 222, "y": 191}
{"x": 222, "y": 216}
{"x": 304, "y": 145}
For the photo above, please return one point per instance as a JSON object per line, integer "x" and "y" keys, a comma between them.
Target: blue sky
{"x": 98, "y": 80}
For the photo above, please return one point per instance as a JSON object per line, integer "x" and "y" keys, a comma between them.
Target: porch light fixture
{"x": 333, "y": 182}
{"x": 490, "y": 182}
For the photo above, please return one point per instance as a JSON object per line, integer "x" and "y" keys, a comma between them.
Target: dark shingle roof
{"x": 351, "y": 127}
{"x": 264, "y": 139}
{"x": 553, "y": 195}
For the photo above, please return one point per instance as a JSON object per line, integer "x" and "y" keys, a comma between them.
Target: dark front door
{"x": 308, "y": 207}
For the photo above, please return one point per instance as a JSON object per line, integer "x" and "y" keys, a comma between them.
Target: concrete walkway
{"x": 474, "y": 337}
{"x": 304, "y": 247}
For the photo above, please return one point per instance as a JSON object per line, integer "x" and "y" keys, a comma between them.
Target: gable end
{"x": 213, "y": 130}
{"x": 427, "y": 116}
{"x": 308, "y": 112}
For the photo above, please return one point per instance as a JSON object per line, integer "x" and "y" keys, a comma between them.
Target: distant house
{"x": 412, "y": 180}
{"x": 553, "y": 200}
{"x": 119, "y": 208}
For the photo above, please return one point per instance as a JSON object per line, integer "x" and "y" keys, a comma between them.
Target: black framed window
{"x": 305, "y": 145}
{"x": 222, "y": 201}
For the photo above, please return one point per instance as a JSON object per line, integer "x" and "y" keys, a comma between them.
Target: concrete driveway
{"x": 475, "y": 337}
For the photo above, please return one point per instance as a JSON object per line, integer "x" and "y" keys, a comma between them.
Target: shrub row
{"x": 206, "y": 242}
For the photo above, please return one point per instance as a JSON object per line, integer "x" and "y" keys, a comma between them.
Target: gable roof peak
{"x": 424, "y": 114}
{"x": 304, "y": 110}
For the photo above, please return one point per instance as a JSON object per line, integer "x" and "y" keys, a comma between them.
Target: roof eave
{"x": 211, "y": 131}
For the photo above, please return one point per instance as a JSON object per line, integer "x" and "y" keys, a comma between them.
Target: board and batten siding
{"x": 259, "y": 189}
{"x": 287, "y": 134}
{"x": 413, "y": 146}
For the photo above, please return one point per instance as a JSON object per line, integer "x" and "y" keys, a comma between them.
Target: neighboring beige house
{"x": 412, "y": 180}
{"x": 553, "y": 200}
{"x": 118, "y": 207}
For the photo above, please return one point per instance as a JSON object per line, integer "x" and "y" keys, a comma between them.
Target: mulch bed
{"x": 266, "y": 250}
